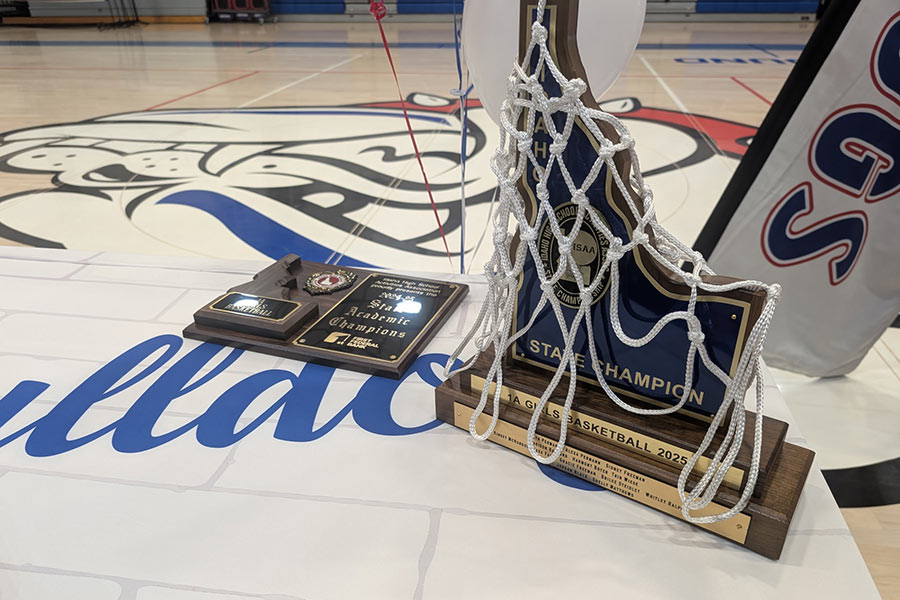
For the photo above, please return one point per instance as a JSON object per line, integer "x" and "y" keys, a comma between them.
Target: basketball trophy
{"x": 606, "y": 347}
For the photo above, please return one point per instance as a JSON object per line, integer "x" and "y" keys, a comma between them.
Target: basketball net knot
{"x": 377, "y": 8}
{"x": 615, "y": 250}
{"x": 558, "y": 146}
{"x": 573, "y": 92}
{"x": 528, "y": 235}
{"x": 538, "y": 33}
{"x": 692, "y": 279}
{"x": 695, "y": 335}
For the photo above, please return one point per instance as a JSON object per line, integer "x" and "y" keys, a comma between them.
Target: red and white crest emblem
{"x": 328, "y": 282}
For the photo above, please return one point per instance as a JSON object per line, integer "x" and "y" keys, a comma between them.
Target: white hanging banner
{"x": 491, "y": 44}
{"x": 814, "y": 204}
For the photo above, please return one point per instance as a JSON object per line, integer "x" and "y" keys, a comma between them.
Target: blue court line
{"x": 255, "y": 229}
{"x": 432, "y": 45}
{"x": 757, "y": 46}
{"x": 355, "y": 113}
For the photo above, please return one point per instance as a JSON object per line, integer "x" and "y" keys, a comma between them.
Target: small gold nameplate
{"x": 625, "y": 482}
{"x": 257, "y": 307}
{"x": 617, "y": 435}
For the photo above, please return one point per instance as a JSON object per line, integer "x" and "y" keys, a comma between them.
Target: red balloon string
{"x": 378, "y": 10}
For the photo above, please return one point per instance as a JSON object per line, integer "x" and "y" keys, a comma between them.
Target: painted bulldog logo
{"x": 332, "y": 184}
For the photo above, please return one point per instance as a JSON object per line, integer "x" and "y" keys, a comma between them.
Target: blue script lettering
{"x": 49, "y": 433}
{"x": 218, "y": 426}
{"x": 133, "y": 432}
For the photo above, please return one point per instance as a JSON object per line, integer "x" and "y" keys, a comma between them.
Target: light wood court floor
{"x": 197, "y": 104}
{"x": 729, "y": 73}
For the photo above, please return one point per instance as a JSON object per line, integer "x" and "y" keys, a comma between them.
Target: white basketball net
{"x": 493, "y": 327}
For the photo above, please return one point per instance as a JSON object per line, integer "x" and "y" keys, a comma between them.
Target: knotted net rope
{"x": 526, "y": 100}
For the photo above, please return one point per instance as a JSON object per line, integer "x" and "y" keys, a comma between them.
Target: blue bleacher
{"x": 428, "y": 6}
{"x": 297, "y": 7}
{"x": 752, "y": 6}
{"x": 446, "y": 6}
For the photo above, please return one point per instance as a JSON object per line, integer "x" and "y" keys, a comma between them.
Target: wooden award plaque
{"x": 349, "y": 318}
{"x": 649, "y": 290}
{"x": 762, "y": 526}
{"x": 670, "y": 441}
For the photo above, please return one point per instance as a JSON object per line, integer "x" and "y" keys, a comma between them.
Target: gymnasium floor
{"x": 245, "y": 142}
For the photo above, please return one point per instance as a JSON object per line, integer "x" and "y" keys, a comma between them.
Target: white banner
{"x": 821, "y": 215}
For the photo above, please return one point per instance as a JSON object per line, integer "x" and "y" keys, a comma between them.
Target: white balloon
{"x": 608, "y": 33}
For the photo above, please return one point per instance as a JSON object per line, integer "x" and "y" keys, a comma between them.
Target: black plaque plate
{"x": 381, "y": 319}
{"x": 257, "y": 315}
{"x": 260, "y": 307}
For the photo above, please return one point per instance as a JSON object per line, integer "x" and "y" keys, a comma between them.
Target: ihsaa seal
{"x": 588, "y": 253}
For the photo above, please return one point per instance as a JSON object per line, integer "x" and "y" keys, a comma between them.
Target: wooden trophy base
{"x": 762, "y": 526}
{"x": 348, "y": 318}
{"x": 671, "y": 441}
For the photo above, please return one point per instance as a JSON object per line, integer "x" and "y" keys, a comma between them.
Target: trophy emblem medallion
{"x": 588, "y": 250}
{"x": 329, "y": 282}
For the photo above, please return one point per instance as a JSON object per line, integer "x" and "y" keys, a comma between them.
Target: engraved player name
{"x": 255, "y": 306}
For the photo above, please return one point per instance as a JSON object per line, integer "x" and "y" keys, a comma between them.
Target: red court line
{"x": 333, "y": 73}
{"x": 221, "y": 83}
{"x": 624, "y": 76}
{"x": 238, "y": 70}
{"x": 751, "y": 90}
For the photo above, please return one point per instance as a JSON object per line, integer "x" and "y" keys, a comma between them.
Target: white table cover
{"x": 122, "y": 477}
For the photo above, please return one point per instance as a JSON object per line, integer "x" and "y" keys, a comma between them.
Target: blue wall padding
{"x": 296, "y": 7}
{"x": 778, "y": 6}
{"x": 446, "y": 6}
{"x": 428, "y": 6}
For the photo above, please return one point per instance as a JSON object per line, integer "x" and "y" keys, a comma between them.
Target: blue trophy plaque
{"x": 653, "y": 373}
